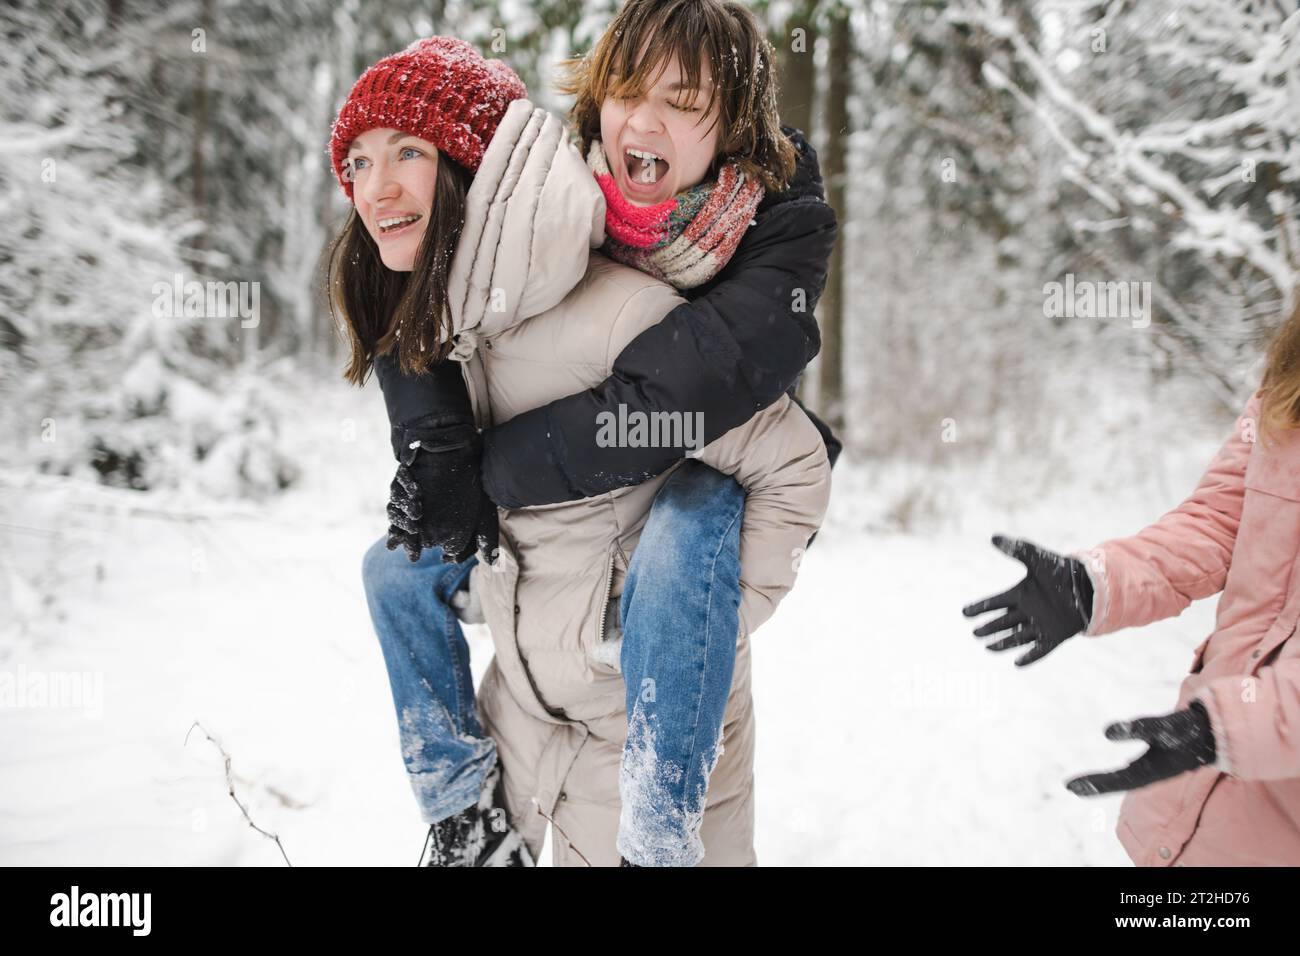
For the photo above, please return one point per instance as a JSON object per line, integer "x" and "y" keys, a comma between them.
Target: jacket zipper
{"x": 604, "y": 605}
{"x": 440, "y": 448}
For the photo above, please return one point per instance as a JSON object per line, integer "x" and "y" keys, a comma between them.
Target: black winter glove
{"x": 437, "y": 498}
{"x": 1181, "y": 741}
{"x": 1052, "y": 603}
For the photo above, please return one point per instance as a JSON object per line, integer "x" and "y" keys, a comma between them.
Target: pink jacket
{"x": 1239, "y": 533}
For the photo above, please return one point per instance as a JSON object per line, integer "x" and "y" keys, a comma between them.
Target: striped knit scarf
{"x": 685, "y": 240}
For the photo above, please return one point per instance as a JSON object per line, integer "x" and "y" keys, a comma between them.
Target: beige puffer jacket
{"x": 538, "y": 316}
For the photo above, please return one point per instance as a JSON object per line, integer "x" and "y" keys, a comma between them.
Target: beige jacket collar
{"x": 532, "y": 215}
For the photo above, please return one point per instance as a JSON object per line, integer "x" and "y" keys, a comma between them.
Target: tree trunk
{"x": 795, "y": 48}
{"x": 830, "y": 377}
{"x": 798, "y": 79}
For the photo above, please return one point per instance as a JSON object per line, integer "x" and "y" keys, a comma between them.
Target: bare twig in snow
{"x": 230, "y": 786}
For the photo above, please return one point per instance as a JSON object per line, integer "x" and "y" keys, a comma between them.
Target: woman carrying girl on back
{"x": 634, "y": 604}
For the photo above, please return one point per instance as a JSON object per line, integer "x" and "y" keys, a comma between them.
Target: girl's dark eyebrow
{"x": 392, "y": 139}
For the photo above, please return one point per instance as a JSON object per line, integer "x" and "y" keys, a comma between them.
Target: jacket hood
{"x": 532, "y": 215}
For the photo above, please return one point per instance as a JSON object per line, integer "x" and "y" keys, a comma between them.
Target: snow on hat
{"x": 439, "y": 89}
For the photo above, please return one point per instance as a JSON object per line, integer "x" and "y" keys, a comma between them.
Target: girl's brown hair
{"x": 1279, "y": 406}
{"x": 378, "y": 310}
{"x": 722, "y": 33}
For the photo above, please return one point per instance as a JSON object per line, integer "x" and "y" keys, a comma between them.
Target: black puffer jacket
{"x": 437, "y": 398}
{"x": 744, "y": 338}
{"x": 730, "y": 351}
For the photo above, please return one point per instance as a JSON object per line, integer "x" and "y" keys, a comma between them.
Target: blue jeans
{"x": 680, "y": 618}
{"x": 447, "y": 754}
{"x": 679, "y": 615}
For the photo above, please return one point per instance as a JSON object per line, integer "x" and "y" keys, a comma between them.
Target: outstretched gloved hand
{"x": 1181, "y": 741}
{"x": 1051, "y": 603}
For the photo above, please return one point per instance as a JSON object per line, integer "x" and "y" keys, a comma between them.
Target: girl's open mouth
{"x": 645, "y": 170}
{"x": 392, "y": 225}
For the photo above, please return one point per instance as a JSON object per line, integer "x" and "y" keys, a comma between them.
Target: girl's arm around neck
{"x": 740, "y": 343}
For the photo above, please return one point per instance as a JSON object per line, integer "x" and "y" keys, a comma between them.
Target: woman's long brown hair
{"x": 378, "y": 310}
{"x": 1279, "y": 406}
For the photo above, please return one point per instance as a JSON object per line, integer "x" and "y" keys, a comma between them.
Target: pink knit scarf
{"x": 685, "y": 240}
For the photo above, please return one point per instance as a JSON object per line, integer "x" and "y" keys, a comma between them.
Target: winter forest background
{"x": 186, "y": 499}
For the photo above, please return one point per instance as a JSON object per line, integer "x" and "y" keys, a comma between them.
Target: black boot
{"x": 479, "y": 835}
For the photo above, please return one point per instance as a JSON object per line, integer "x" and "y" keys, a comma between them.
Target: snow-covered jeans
{"x": 447, "y": 754}
{"x": 679, "y": 615}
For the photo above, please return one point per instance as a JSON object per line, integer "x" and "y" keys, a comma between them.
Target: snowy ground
{"x": 887, "y": 735}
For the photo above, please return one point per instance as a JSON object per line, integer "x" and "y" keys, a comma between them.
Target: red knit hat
{"x": 438, "y": 88}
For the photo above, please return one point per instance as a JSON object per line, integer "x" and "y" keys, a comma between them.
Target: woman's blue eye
{"x": 410, "y": 149}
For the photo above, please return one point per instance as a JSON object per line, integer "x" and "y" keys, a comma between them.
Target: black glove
{"x": 1053, "y": 602}
{"x": 1181, "y": 741}
{"x": 437, "y": 497}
